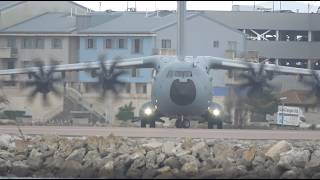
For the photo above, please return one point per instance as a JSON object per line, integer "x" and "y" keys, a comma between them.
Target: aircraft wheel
{"x": 210, "y": 124}
{"x": 152, "y": 124}
{"x": 186, "y": 123}
{"x": 219, "y": 124}
{"x": 143, "y": 124}
{"x": 178, "y": 123}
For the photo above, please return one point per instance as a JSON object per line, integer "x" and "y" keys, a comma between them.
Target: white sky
{"x": 171, "y": 5}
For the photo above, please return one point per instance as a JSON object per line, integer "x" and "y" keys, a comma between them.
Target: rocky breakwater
{"x": 117, "y": 157}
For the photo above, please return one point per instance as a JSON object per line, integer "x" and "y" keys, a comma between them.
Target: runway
{"x": 163, "y": 132}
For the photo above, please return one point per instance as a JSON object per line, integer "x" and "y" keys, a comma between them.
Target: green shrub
{"x": 126, "y": 112}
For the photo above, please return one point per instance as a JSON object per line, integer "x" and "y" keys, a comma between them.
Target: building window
{"x": 135, "y": 73}
{"x": 91, "y": 43}
{"x": 216, "y": 44}
{"x": 56, "y": 43}
{"x": 38, "y": 43}
{"x": 141, "y": 88}
{"x": 108, "y": 43}
{"x": 232, "y": 45}
{"x": 26, "y": 43}
{"x": 128, "y": 88}
{"x": 166, "y": 43}
{"x": 137, "y": 46}
{"x": 11, "y": 64}
{"x": 11, "y": 42}
{"x": 122, "y": 44}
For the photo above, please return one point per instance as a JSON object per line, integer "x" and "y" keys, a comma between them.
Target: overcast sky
{"x": 171, "y": 5}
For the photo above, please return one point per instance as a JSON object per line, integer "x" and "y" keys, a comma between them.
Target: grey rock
{"x": 70, "y": 169}
{"x": 160, "y": 158}
{"x": 92, "y": 158}
{"x": 149, "y": 174}
{"x": 107, "y": 171}
{"x": 6, "y": 155}
{"x": 77, "y": 155}
{"x": 151, "y": 160}
{"x": 152, "y": 146}
{"x": 5, "y": 141}
{"x": 235, "y": 171}
{"x": 20, "y": 169}
{"x": 314, "y": 163}
{"x": 35, "y": 159}
{"x": 4, "y": 167}
{"x": 188, "y": 159}
{"x": 316, "y": 176}
{"x": 169, "y": 148}
{"x": 201, "y": 150}
{"x": 294, "y": 158}
{"x": 173, "y": 162}
{"x": 190, "y": 168}
{"x": 211, "y": 173}
{"x": 289, "y": 175}
{"x": 121, "y": 165}
{"x": 134, "y": 173}
{"x": 20, "y": 157}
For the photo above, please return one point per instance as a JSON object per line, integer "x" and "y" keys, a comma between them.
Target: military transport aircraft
{"x": 181, "y": 85}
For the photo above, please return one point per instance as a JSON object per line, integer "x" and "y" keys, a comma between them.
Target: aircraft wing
{"x": 143, "y": 62}
{"x": 228, "y": 64}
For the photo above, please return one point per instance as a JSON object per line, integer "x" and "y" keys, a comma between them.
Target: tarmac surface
{"x": 163, "y": 132}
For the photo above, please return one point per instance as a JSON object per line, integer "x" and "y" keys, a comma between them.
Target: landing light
{"x": 216, "y": 112}
{"x": 148, "y": 111}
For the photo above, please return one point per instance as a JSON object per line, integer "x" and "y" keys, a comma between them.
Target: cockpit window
{"x": 181, "y": 74}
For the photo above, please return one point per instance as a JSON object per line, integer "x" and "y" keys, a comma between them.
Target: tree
{"x": 126, "y": 112}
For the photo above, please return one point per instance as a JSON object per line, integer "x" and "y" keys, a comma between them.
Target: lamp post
{"x": 282, "y": 101}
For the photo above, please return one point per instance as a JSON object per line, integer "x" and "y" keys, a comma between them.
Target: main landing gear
{"x": 182, "y": 122}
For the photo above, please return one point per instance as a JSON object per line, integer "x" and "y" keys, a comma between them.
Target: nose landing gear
{"x": 182, "y": 122}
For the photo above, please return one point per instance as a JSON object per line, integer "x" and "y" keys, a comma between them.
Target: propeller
{"x": 43, "y": 81}
{"x": 314, "y": 83}
{"x": 108, "y": 78}
{"x": 256, "y": 81}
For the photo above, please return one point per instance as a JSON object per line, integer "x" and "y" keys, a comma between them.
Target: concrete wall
{"x": 267, "y": 20}
{"x": 29, "y": 9}
{"x": 283, "y": 49}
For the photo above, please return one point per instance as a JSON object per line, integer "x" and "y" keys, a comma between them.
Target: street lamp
{"x": 282, "y": 101}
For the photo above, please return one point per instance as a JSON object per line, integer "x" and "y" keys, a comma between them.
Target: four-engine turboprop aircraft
{"x": 181, "y": 85}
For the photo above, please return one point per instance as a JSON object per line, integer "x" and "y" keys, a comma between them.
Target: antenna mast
{"x": 181, "y": 11}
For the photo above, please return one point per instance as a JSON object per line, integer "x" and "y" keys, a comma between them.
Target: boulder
{"x": 160, "y": 158}
{"x": 92, "y": 158}
{"x": 20, "y": 169}
{"x": 211, "y": 173}
{"x": 293, "y": 158}
{"x": 5, "y": 155}
{"x": 21, "y": 146}
{"x": 190, "y": 168}
{"x": 201, "y": 150}
{"x": 4, "y": 167}
{"x": 164, "y": 173}
{"x": 169, "y": 148}
{"x": 77, "y": 155}
{"x": 35, "y": 159}
{"x": 314, "y": 164}
{"x": 107, "y": 171}
{"x": 151, "y": 160}
{"x": 5, "y": 141}
{"x": 70, "y": 169}
{"x": 152, "y": 146}
{"x": 172, "y": 162}
{"x": 275, "y": 151}
{"x": 291, "y": 174}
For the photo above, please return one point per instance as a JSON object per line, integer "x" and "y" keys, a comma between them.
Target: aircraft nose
{"x": 183, "y": 93}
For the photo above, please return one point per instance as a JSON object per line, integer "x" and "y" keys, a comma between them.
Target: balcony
{"x": 8, "y": 52}
{"x": 164, "y": 51}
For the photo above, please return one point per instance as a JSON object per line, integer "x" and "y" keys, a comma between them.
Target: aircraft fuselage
{"x": 181, "y": 88}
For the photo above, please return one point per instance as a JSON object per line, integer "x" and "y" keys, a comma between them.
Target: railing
{"x": 78, "y": 98}
{"x": 8, "y": 52}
